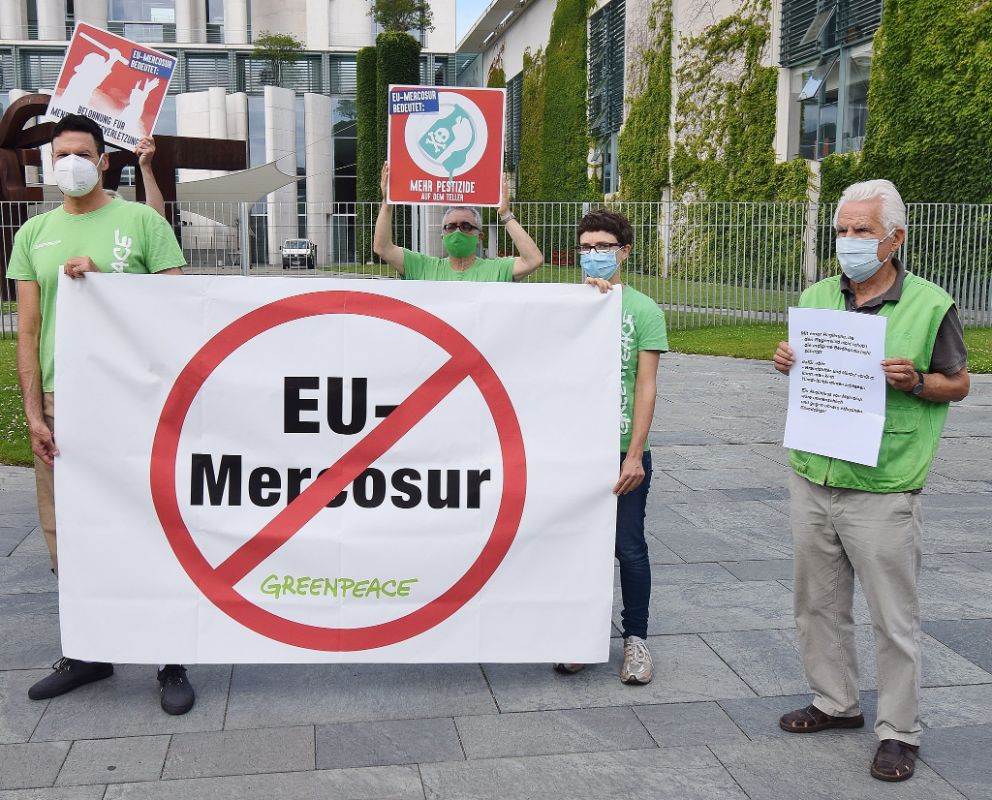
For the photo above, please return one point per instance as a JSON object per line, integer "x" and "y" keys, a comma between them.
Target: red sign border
{"x": 188, "y": 384}
{"x": 408, "y": 198}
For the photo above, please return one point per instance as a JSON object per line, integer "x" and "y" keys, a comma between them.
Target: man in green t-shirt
{"x": 89, "y": 232}
{"x": 461, "y": 226}
{"x": 605, "y": 241}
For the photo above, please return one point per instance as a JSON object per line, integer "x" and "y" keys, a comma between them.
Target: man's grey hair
{"x": 893, "y": 213}
{"x": 476, "y": 215}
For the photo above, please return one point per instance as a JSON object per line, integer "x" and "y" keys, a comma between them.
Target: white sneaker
{"x": 638, "y": 667}
{"x": 568, "y": 669}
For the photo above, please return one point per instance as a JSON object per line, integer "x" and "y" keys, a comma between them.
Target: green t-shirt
{"x": 418, "y": 267}
{"x": 642, "y": 327}
{"x": 120, "y": 237}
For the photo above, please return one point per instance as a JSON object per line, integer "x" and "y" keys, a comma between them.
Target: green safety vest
{"x": 912, "y": 425}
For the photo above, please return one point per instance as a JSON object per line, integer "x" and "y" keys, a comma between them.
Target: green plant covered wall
{"x": 838, "y": 171}
{"x": 566, "y": 141}
{"x": 725, "y": 118}
{"x": 367, "y": 169}
{"x": 529, "y": 168}
{"x": 645, "y": 146}
{"x": 930, "y": 101}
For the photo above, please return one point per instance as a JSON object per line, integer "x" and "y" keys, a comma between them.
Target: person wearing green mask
{"x": 460, "y": 227}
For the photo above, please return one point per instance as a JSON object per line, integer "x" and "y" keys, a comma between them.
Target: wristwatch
{"x": 917, "y": 390}
{"x": 507, "y": 218}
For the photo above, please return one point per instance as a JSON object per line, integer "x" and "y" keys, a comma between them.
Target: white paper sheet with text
{"x": 837, "y": 385}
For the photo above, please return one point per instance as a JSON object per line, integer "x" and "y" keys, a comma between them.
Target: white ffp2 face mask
{"x": 75, "y": 175}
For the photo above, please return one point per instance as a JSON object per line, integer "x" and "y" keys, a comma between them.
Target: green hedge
{"x": 369, "y": 166}
{"x": 397, "y": 61}
{"x": 566, "y": 141}
{"x": 930, "y": 101}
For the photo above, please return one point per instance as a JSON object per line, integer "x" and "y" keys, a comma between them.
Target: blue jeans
{"x": 632, "y": 553}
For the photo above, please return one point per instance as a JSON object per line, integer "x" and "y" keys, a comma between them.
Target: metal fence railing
{"x": 704, "y": 263}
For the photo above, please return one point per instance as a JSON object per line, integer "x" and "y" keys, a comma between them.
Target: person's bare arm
{"x": 529, "y": 256}
{"x": 153, "y": 195}
{"x": 900, "y": 373}
{"x": 645, "y": 395}
{"x": 29, "y": 369}
{"x": 382, "y": 242}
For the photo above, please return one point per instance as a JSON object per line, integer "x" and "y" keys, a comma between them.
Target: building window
{"x": 832, "y": 103}
{"x": 606, "y": 87}
{"x": 827, "y": 44}
{"x": 345, "y": 127}
{"x": 143, "y": 20}
{"x": 856, "y": 102}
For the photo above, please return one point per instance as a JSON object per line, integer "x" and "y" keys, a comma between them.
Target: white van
{"x": 299, "y": 253}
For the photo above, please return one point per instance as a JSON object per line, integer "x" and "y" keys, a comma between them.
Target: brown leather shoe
{"x": 811, "y": 720}
{"x": 894, "y": 760}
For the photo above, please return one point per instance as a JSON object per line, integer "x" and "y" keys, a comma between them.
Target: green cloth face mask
{"x": 460, "y": 245}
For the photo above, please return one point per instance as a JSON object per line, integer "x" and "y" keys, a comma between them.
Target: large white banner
{"x": 287, "y": 470}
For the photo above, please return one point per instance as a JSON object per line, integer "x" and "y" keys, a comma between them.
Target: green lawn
{"x": 666, "y": 291}
{"x": 740, "y": 341}
{"x": 14, "y": 447}
{"x": 760, "y": 340}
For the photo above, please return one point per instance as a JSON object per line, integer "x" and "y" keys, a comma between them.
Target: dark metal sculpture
{"x": 19, "y": 148}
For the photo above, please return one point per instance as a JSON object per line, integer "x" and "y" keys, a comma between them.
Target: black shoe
{"x": 69, "y": 674}
{"x": 177, "y": 692}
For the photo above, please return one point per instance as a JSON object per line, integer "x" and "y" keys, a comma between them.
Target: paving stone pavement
{"x": 721, "y": 631}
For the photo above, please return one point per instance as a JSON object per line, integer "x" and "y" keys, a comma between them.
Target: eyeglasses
{"x": 585, "y": 249}
{"x": 464, "y": 227}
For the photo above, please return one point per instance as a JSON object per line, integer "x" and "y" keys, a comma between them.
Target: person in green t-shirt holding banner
{"x": 461, "y": 227}
{"x": 89, "y": 232}
{"x": 605, "y": 241}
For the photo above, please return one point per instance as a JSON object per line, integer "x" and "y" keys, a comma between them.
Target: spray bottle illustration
{"x": 448, "y": 141}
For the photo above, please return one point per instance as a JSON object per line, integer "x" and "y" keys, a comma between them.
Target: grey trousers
{"x": 840, "y": 533}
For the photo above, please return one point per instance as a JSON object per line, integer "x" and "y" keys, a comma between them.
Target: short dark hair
{"x": 602, "y": 219}
{"x": 77, "y": 123}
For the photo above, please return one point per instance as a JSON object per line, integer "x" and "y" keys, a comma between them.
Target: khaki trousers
{"x": 840, "y": 533}
{"x": 44, "y": 478}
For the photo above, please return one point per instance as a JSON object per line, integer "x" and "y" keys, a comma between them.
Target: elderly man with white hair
{"x": 460, "y": 227}
{"x": 849, "y": 519}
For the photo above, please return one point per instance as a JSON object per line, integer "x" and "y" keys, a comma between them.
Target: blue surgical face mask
{"x": 859, "y": 257}
{"x": 599, "y": 265}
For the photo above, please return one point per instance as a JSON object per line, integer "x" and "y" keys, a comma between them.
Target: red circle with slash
{"x": 217, "y": 583}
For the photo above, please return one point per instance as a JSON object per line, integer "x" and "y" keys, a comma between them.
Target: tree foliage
{"x": 403, "y": 15}
{"x": 566, "y": 139}
{"x": 930, "y": 101}
{"x": 277, "y": 49}
{"x": 367, "y": 183}
{"x": 496, "y": 78}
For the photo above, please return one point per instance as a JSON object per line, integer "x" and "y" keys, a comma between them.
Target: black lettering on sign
{"x": 293, "y": 405}
{"x": 227, "y": 479}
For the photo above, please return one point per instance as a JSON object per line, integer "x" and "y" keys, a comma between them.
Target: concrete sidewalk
{"x": 722, "y": 634}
